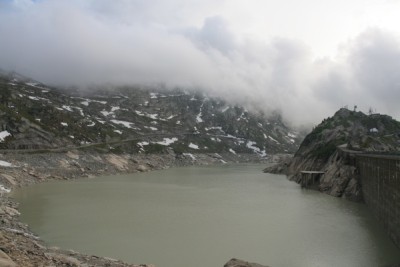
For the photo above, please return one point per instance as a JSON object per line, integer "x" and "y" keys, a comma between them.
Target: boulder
{"x": 241, "y": 263}
{"x": 142, "y": 168}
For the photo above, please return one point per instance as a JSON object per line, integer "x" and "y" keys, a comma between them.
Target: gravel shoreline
{"x": 20, "y": 247}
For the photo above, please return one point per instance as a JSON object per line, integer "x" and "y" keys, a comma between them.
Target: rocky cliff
{"x": 331, "y": 147}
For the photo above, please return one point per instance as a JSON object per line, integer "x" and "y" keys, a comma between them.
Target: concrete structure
{"x": 380, "y": 180}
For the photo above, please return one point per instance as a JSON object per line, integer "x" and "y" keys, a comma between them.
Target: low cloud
{"x": 68, "y": 42}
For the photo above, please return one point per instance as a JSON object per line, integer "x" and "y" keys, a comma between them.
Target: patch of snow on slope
{"x": 3, "y": 189}
{"x": 151, "y": 116}
{"x": 193, "y": 146}
{"x": 151, "y": 128}
{"x": 127, "y": 124}
{"x": 68, "y": 108}
{"x": 167, "y": 141}
{"x": 232, "y": 151}
{"x": 33, "y": 98}
{"x": 251, "y": 145}
{"x": 5, "y": 164}
{"x": 34, "y": 85}
{"x": 3, "y": 135}
{"x": 106, "y": 113}
{"x": 276, "y": 141}
{"x": 198, "y": 118}
{"x": 190, "y": 155}
{"x": 142, "y": 144}
{"x": 64, "y": 124}
{"x": 214, "y": 128}
{"x": 171, "y": 117}
{"x": 225, "y": 109}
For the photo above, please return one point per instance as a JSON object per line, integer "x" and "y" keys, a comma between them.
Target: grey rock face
{"x": 331, "y": 148}
{"x": 241, "y": 263}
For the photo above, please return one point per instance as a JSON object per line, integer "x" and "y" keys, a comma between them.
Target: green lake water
{"x": 204, "y": 216}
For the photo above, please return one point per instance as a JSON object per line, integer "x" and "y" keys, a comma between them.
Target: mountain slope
{"x": 133, "y": 120}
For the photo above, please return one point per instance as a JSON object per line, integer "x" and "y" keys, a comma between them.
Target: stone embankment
{"x": 20, "y": 247}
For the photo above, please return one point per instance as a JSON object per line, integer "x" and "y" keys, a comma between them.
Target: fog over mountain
{"x": 199, "y": 45}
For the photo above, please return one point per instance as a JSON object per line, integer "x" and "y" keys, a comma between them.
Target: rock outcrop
{"x": 242, "y": 263}
{"x": 332, "y": 146}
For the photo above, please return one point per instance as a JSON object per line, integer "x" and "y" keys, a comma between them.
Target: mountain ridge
{"x": 36, "y": 116}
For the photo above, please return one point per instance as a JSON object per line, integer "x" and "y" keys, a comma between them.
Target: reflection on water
{"x": 203, "y": 216}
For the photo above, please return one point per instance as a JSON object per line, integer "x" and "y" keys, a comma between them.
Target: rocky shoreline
{"x": 20, "y": 247}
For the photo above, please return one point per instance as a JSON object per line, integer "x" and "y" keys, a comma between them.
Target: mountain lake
{"x": 204, "y": 216}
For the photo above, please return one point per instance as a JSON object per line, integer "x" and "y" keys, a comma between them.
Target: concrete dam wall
{"x": 380, "y": 180}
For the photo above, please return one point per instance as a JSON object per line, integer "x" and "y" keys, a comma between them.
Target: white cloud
{"x": 197, "y": 44}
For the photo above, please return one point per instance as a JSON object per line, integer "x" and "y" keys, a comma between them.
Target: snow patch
{"x": 105, "y": 113}
{"x": 68, "y": 108}
{"x": 151, "y": 128}
{"x": 373, "y": 130}
{"x": 276, "y": 141}
{"x": 3, "y": 135}
{"x": 3, "y": 189}
{"x": 190, "y": 155}
{"x": 232, "y": 151}
{"x": 64, "y": 124}
{"x": 118, "y": 131}
{"x": 127, "y": 124}
{"x": 225, "y": 109}
{"x": 167, "y": 141}
{"x": 142, "y": 144}
{"x": 151, "y": 116}
{"x": 251, "y": 145}
{"x": 5, "y": 163}
{"x": 171, "y": 117}
{"x": 33, "y": 98}
{"x": 193, "y": 146}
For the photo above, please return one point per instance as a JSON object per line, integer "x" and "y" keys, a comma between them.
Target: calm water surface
{"x": 203, "y": 216}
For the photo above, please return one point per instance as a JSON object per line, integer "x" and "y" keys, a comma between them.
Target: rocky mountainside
{"x": 34, "y": 116}
{"x": 331, "y": 146}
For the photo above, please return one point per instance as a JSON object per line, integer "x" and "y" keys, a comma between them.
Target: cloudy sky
{"x": 307, "y": 58}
